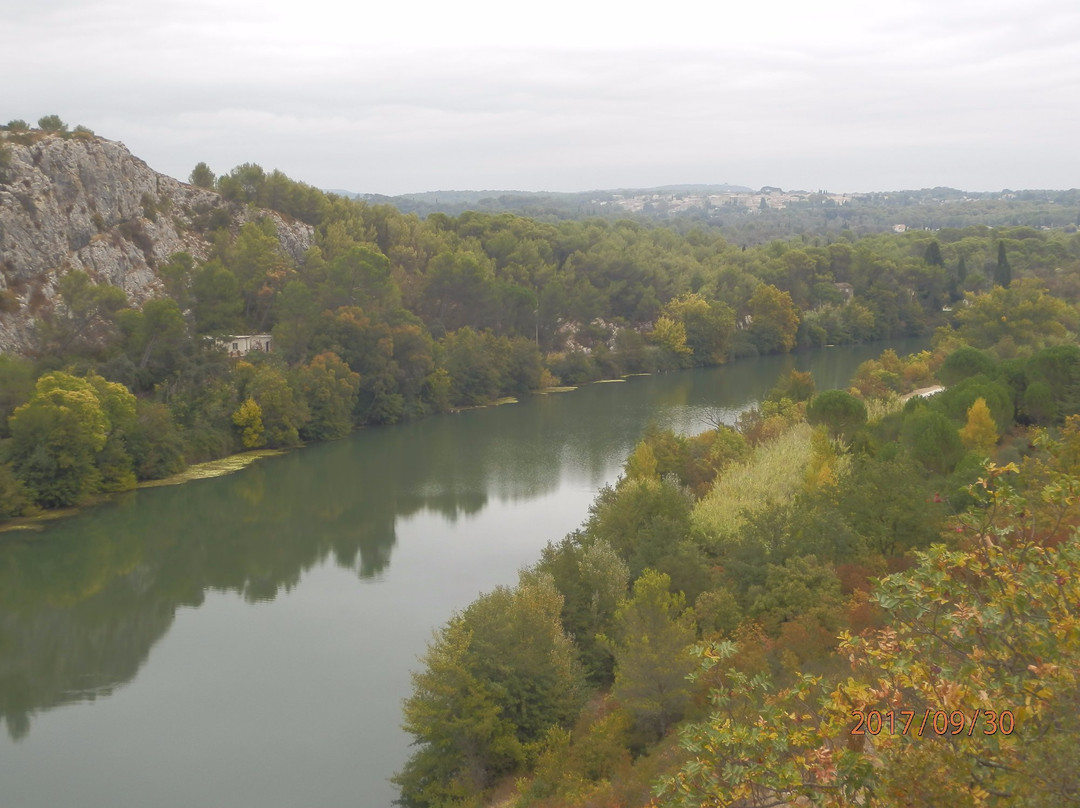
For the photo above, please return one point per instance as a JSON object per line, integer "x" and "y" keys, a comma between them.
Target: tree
{"x": 795, "y": 385}
{"x": 218, "y": 305}
{"x": 496, "y": 678}
{"x": 154, "y": 441}
{"x": 997, "y": 396}
{"x": 282, "y": 415}
{"x": 248, "y": 420}
{"x": 52, "y": 123}
{"x": 838, "y": 410}
{"x": 330, "y": 389}
{"x": 979, "y": 434}
{"x": 801, "y": 587}
{"x": 643, "y": 519}
{"x": 1023, "y": 313}
{"x": 708, "y": 325}
{"x": 261, "y": 267}
{"x": 932, "y": 256}
{"x": 592, "y": 580}
{"x": 963, "y": 363}
{"x": 56, "y": 437}
{"x": 87, "y": 317}
{"x": 932, "y": 440}
{"x": 671, "y": 337}
{"x": 16, "y": 387}
{"x": 774, "y": 320}
{"x": 650, "y": 640}
{"x": 202, "y": 176}
{"x": 1003, "y": 271}
{"x": 474, "y": 364}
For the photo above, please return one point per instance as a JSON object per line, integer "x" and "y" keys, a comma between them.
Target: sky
{"x": 578, "y": 95}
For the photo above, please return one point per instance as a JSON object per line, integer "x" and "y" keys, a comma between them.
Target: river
{"x": 247, "y": 641}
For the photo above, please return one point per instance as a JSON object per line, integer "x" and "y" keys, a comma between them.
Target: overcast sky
{"x": 566, "y": 96}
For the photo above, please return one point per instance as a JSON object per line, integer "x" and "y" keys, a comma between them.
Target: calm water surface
{"x": 247, "y": 641}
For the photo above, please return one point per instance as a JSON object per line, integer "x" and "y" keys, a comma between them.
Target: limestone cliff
{"x": 87, "y": 203}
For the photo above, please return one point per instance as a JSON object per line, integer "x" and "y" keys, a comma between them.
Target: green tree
{"x": 496, "y": 678}
{"x": 1003, "y": 271}
{"x": 86, "y": 319}
{"x": 932, "y": 440}
{"x": 593, "y": 581}
{"x": 52, "y": 123}
{"x": 963, "y": 363}
{"x": 475, "y": 365}
{"x": 650, "y": 641}
{"x": 13, "y": 499}
{"x": 644, "y": 519}
{"x": 218, "y": 306}
{"x": 261, "y": 267}
{"x": 16, "y": 387}
{"x": 55, "y": 440}
{"x": 155, "y": 338}
{"x": 802, "y": 587}
{"x": 1023, "y": 313}
{"x": 282, "y": 413}
{"x": 842, "y": 413}
{"x": 932, "y": 256}
{"x": 330, "y": 389}
{"x": 202, "y": 176}
{"x": 155, "y": 442}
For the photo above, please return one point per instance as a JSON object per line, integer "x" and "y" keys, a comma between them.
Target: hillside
{"x": 86, "y": 203}
{"x": 117, "y": 284}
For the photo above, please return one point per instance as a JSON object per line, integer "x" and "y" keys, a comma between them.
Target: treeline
{"x": 739, "y": 598}
{"x": 387, "y": 317}
{"x": 816, "y": 213}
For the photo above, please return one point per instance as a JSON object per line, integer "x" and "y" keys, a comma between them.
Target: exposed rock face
{"x": 89, "y": 204}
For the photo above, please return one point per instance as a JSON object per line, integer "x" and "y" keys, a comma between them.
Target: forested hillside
{"x": 121, "y": 375}
{"x": 753, "y": 217}
{"x": 850, "y": 598}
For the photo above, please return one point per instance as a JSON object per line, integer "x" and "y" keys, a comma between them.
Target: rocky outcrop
{"x": 87, "y": 203}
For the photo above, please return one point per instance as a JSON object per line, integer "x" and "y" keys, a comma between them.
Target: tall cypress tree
{"x": 932, "y": 256}
{"x": 1003, "y": 272}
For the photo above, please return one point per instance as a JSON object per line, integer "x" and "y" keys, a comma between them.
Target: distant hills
{"x": 768, "y": 212}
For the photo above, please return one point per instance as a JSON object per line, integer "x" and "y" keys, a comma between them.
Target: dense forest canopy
{"x": 754, "y": 217}
{"x": 389, "y": 316}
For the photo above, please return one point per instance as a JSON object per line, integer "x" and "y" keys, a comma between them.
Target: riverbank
{"x": 197, "y": 471}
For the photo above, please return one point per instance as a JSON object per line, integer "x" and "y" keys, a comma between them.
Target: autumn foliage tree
{"x": 979, "y": 434}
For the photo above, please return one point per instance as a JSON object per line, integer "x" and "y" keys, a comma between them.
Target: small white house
{"x": 243, "y": 344}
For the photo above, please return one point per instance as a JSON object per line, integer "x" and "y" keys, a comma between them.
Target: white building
{"x": 243, "y": 344}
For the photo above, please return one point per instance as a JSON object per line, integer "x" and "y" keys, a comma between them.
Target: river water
{"x": 246, "y": 641}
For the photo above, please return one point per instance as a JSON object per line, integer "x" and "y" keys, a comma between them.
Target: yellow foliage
{"x": 642, "y": 463}
{"x": 980, "y": 432}
{"x": 774, "y": 473}
{"x": 248, "y": 419}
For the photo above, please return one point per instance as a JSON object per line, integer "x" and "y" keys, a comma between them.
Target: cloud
{"x": 394, "y": 98}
